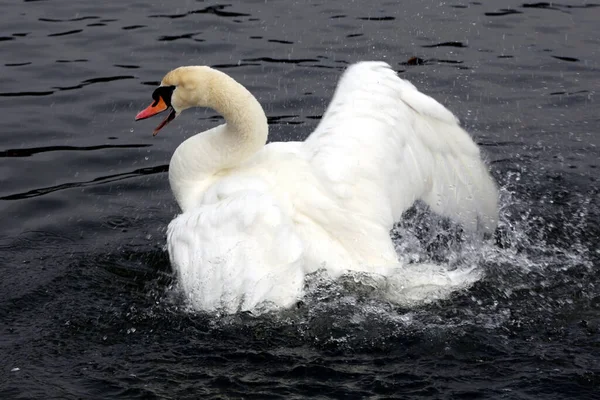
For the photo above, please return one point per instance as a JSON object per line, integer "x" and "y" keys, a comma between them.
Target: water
{"x": 87, "y": 299}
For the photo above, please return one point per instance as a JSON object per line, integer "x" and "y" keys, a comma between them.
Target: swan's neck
{"x": 200, "y": 158}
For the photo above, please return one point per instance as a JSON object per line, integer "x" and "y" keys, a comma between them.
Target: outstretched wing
{"x": 382, "y": 144}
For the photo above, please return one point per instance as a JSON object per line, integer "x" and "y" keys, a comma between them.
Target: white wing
{"x": 237, "y": 254}
{"x": 382, "y": 144}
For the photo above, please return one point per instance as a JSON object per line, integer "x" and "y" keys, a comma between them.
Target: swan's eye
{"x": 164, "y": 93}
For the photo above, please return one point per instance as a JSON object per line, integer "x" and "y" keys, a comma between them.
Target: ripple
{"x": 237, "y": 65}
{"x": 569, "y": 59}
{"x": 33, "y": 238}
{"x": 23, "y": 94}
{"x": 27, "y": 152}
{"x": 502, "y": 12}
{"x": 446, "y": 44}
{"x": 279, "y": 41}
{"x": 284, "y": 119}
{"x": 420, "y": 61}
{"x": 377, "y": 18}
{"x": 543, "y": 5}
{"x": 569, "y": 93}
{"x": 216, "y": 10}
{"x": 131, "y": 27}
{"x": 283, "y": 60}
{"x": 414, "y": 61}
{"x": 96, "y": 181}
{"x": 17, "y": 64}
{"x": 67, "y": 19}
{"x": 118, "y": 222}
{"x": 178, "y": 37}
{"x": 559, "y": 6}
{"x": 79, "y": 60}
{"x": 71, "y": 32}
{"x": 91, "y": 81}
{"x": 125, "y": 66}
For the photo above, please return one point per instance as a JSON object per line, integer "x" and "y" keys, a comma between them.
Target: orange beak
{"x": 153, "y": 109}
{"x": 156, "y": 108}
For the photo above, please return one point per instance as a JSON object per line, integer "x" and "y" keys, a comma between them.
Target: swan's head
{"x": 180, "y": 89}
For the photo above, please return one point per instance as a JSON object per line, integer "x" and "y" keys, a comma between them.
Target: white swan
{"x": 257, "y": 218}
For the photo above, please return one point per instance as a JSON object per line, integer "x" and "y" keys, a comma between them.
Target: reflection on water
{"x": 87, "y": 295}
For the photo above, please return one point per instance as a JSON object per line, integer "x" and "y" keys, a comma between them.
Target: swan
{"x": 257, "y": 218}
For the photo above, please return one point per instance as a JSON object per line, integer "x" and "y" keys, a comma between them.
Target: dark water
{"x": 87, "y": 305}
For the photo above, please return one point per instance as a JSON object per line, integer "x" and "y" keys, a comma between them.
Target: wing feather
{"x": 382, "y": 144}
{"x": 237, "y": 254}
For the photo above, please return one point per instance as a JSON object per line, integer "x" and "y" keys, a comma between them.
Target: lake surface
{"x": 88, "y": 305}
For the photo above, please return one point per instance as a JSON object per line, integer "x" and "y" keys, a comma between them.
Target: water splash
{"x": 538, "y": 268}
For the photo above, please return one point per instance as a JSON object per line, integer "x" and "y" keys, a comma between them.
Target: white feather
{"x": 382, "y": 142}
